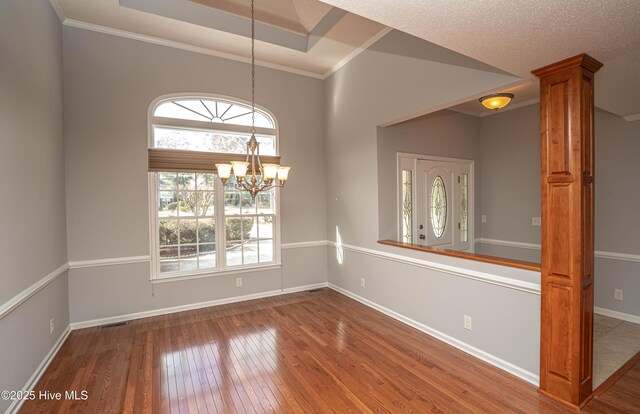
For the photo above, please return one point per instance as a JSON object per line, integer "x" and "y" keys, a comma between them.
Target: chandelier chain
{"x": 253, "y": 69}
{"x": 247, "y": 179}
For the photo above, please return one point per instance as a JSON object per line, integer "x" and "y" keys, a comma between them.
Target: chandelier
{"x": 261, "y": 177}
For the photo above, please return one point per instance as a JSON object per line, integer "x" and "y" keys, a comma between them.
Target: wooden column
{"x": 567, "y": 138}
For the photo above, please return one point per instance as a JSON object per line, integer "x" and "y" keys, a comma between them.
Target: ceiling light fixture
{"x": 265, "y": 176}
{"x": 497, "y": 100}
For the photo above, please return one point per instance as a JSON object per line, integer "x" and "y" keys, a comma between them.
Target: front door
{"x": 443, "y": 204}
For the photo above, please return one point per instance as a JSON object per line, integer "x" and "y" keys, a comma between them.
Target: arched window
{"x": 199, "y": 226}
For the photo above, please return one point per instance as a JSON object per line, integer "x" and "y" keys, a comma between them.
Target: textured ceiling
{"x": 521, "y": 35}
{"x": 300, "y": 16}
{"x": 524, "y": 94}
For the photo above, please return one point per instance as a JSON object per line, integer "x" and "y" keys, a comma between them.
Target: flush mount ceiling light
{"x": 497, "y": 100}
{"x": 252, "y": 175}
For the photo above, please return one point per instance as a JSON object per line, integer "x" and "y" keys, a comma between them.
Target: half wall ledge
{"x": 520, "y": 264}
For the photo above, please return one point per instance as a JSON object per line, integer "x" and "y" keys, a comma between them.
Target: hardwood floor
{"x": 311, "y": 352}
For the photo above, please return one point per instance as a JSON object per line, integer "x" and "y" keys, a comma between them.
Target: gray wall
{"x": 443, "y": 134}
{"x": 109, "y": 85}
{"x": 510, "y": 156}
{"x": 510, "y": 174}
{"x": 398, "y": 76}
{"x": 33, "y": 193}
{"x": 617, "y": 206}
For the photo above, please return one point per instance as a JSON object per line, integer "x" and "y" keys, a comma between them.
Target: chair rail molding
{"x": 629, "y": 257}
{"x": 10, "y": 305}
{"x": 503, "y": 281}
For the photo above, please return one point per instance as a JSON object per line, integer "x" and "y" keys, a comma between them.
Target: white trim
{"x": 519, "y": 372}
{"x": 304, "y": 244}
{"x": 208, "y": 126}
{"x": 220, "y": 269}
{"x": 618, "y": 315}
{"x": 618, "y": 256}
{"x": 21, "y": 297}
{"x": 415, "y": 158}
{"x": 192, "y": 306}
{"x": 35, "y": 377}
{"x": 598, "y": 253}
{"x": 114, "y": 261}
{"x": 57, "y": 7}
{"x": 507, "y": 282}
{"x": 305, "y": 288}
{"x": 366, "y": 45}
{"x": 631, "y": 118}
{"x": 206, "y": 274}
{"x": 163, "y": 122}
{"x": 108, "y": 262}
{"x": 531, "y": 246}
{"x": 167, "y": 311}
{"x": 183, "y": 46}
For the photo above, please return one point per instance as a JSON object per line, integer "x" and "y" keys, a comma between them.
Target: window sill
{"x": 205, "y": 275}
{"x": 520, "y": 264}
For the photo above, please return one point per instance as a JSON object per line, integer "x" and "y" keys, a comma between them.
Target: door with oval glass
{"x": 443, "y": 216}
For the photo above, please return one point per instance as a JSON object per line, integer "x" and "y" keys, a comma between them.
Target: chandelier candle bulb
{"x": 283, "y": 173}
{"x": 224, "y": 171}
{"x": 240, "y": 168}
{"x": 270, "y": 171}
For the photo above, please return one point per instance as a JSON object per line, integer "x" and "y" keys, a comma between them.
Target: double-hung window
{"x": 198, "y": 226}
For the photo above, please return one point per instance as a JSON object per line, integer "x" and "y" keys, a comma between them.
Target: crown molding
{"x": 584, "y": 60}
{"x": 631, "y": 118}
{"x": 206, "y": 51}
{"x": 366, "y": 45}
{"x": 57, "y": 7}
{"x": 217, "y": 19}
{"x": 183, "y": 46}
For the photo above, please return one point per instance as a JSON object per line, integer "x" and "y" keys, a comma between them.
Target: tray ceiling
{"x": 303, "y": 36}
{"x": 299, "y": 16}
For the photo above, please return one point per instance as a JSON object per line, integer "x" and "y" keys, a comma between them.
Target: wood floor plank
{"x": 309, "y": 352}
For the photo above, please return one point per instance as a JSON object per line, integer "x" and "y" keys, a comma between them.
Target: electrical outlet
{"x": 238, "y": 282}
{"x": 484, "y": 218}
{"x": 536, "y": 221}
{"x": 467, "y": 322}
{"x": 618, "y": 294}
{"x": 52, "y": 326}
{"x": 362, "y": 282}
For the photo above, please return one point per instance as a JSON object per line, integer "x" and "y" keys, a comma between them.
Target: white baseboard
{"x": 305, "y": 288}
{"x": 192, "y": 306}
{"x": 521, "y": 373}
{"x": 618, "y": 315}
{"x": 31, "y": 383}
